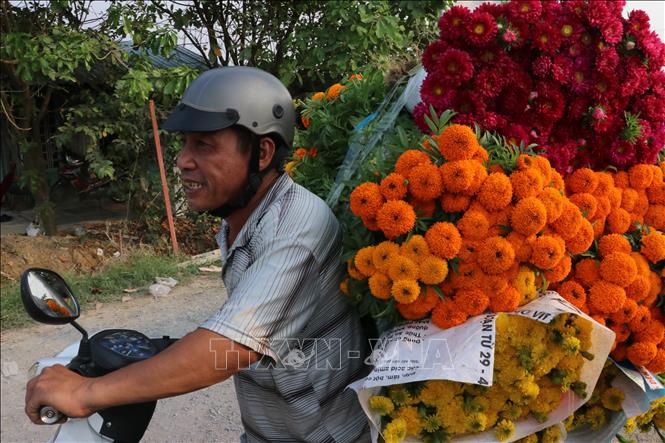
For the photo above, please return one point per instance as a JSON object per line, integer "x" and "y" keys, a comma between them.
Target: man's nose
{"x": 185, "y": 161}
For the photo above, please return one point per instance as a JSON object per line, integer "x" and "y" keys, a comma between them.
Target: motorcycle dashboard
{"x": 115, "y": 348}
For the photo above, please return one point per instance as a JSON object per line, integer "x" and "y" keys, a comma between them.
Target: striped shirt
{"x": 282, "y": 274}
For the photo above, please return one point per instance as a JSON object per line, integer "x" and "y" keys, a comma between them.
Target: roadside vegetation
{"x": 137, "y": 271}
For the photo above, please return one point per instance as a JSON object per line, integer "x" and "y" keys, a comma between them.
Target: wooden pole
{"x": 162, "y": 173}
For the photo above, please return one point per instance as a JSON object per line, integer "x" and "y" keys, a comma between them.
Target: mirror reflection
{"x": 52, "y": 295}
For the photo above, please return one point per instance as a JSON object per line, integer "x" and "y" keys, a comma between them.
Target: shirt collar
{"x": 281, "y": 185}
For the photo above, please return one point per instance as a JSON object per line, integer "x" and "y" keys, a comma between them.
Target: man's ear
{"x": 267, "y": 150}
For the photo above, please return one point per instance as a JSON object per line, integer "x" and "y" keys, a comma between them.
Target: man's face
{"x": 213, "y": 170}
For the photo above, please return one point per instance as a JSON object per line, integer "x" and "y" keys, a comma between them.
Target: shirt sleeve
{"x": 273, "y": 300}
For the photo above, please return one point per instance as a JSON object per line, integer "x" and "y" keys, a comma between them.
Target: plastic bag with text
{"x": 544, "y": 360}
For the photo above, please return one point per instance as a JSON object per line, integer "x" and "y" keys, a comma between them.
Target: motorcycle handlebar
{"x": 49, "y": 415}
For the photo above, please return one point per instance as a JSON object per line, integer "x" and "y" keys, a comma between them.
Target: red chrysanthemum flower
{"x": 546, "y": 37}
{"x": 454, "y": 66}
{"x": 453, "y": 23}
{"x": 481, "y": 28}
{"x": 527, "y": 10}
{"x": 432, "y": 54}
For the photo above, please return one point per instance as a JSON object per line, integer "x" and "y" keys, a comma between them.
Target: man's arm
{"x": 201, "y": 358}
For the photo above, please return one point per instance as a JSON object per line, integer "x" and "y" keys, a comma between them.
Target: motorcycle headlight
{"x": 32, "y": 372}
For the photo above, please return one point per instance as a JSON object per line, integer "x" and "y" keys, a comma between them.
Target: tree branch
{"x": 228, "y": 45}
{"x": 45, "y": 103}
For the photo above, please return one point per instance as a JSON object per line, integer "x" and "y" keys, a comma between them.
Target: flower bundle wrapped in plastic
{"x": 459, "y": 238}
{"x": 620, "y": 279}
{"x": 605, "y": 401}
{"x": 654, "y": 418}
{"x": 535, "y": 364}
{"x": 573, "y": 76}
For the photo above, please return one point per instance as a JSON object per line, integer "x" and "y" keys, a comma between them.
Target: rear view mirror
{"x": 47, "y": 298}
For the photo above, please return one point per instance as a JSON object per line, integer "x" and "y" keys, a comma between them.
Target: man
{"x": 285, "y": 334}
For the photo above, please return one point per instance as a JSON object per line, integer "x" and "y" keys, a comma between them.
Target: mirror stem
{"x": 81, "y": 330}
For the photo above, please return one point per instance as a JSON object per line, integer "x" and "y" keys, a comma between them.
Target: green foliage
{"x": 137, "y": 271}
{"x": 306, "y": 44}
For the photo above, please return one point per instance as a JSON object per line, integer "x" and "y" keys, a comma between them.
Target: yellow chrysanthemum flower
{"x": 415, "y": 248}
{"x": 382, "y": 254}
{"x": 612, "y": 399}
{"x": 476, "y": 422}
{"x": 433, "y": 270}
{"x": 381, "y": 405}
{"x": 525, "y": 283}
{"x": 410, "y": 415}
{"x": 551, "y": 435}
{"x": 504, "y": 430}
{"x": 395, "y": 431}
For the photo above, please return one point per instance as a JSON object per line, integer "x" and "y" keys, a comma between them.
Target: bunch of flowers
{"x": 573, "y": 76}
{"x": 535, "y": 365}
{"x": 552, "y": 434}
{"x": 605, "y": 401}
{"x": 620, "y": 279}
{"x": 653, "y": 418}
{"x": 457, "y": 237}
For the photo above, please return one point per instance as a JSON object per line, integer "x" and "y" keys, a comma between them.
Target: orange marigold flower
{"x": 657, "y": 364}
{"x": 425, "y": 182}
{"x": 380, "y": 286}
{"x": 505, "y": 301}
{"x": 529, "y": 216}
{"x": 454, "y": 202}
{"x": 656, "y": 194}
{"x": 621, "y": 180}
{"x": 526, "y": 183}
{"x": 627, "y": 312}
{"x": 467, "y": 252}
{"x": 587, "y": 204}
{"x": 582, "y": 180}
{"x": 582, "y": 240}
{"x": 366, "y": 200}
{"x": 446, "y": 314}
{"x": 300, "y": 153}
{"x": 605, "y": 184}
{"x": 493, "y": 284}
{"x": 560, "y": 271}
{"x": 526, "y": 161}
{"x": 415, "y": 248}
{"x": 557, "y": 181}
{"x": 605, "y": 297}
{"x": 402, "y": 268}
{"x": 457, "y": 142}
{"x": 603, "y": 207}
{"x": 444, "y": 240}
{"x": 640, "y": 176}
{"x": 353, "y": 271}
{"x": 344, "y": 286}
{"x": 629, "y": 199}
{"x": 495, "y": 255}
{"x": 615, "y": 196}
{"x": 618, "y": 221}
{"x": 598, "y": 227}
{"x": 547, "y": 251}
{"x": 654, "y": 332}
{"x": 613, "y": 243}
{"x": 364, "y": 261}
{"x": 641, "y": 320}
{"x": 641, "y": 353}
{"x": 496, "y": 192}
{"x": 570, "y": 221}
{"x": 468, "y": 275}
{"x": 618, "y": 268}
{"x": 305, "y": 121}
{"x": 382, "y": 254}
{"x": 653, "y": 247}
{"x": 425, "y": 302}
{"x": 520, "y": 245}
{"x": 473, "y": 301}
{"x": 370, "y": 223}
{"x": 473, "y": 225}
{"x": 655, "y": 217}
{"x": 405, "y": 291}
{"x": 408, "y": 159}
{"x": 355, "y": 77}
{"x": 639, "y": 289}
{"x": 481, "y": 155}
{"x": 619, "y": 352}
{"x": 433, "y": 270}
{"x": 573, "y": 292}
{"x": 657, "y": 174}
{"x": 621, "y": 330}
{"x": 333, "y": 92}
{"x": 496, "y": 168}
{"x": 318, "y": 96}
{"x": 458, "y": 176}
{"x": 553, "y": 200}
{"x": 642, "y": 204}
{"x": 424, "y": 208}
{"x": 479, "y": 176}
{"x": 395, "y": 218}
{"x": 543, "y": 165}
{"x": 393, "y": 187}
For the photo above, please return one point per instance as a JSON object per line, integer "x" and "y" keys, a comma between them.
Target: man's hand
{"x": 59, "y": 388}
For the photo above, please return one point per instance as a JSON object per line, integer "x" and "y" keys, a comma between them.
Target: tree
{"x": 44, "y": 48}
{"x": 306, "y": 44}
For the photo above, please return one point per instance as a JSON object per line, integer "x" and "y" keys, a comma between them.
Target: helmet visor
{"x": 184, "y": 118}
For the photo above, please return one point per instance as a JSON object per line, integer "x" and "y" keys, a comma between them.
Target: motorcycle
{"x": 48, "y": 299}
{"x": 75, "y": 177}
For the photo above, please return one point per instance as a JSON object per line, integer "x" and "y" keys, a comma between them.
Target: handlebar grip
{"x": 49, "y": 415}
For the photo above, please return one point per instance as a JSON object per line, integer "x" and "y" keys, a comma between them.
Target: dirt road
{"x": 207, "y": 415}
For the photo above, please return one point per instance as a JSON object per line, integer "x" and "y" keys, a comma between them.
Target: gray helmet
{"x": 240, "y": 95}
